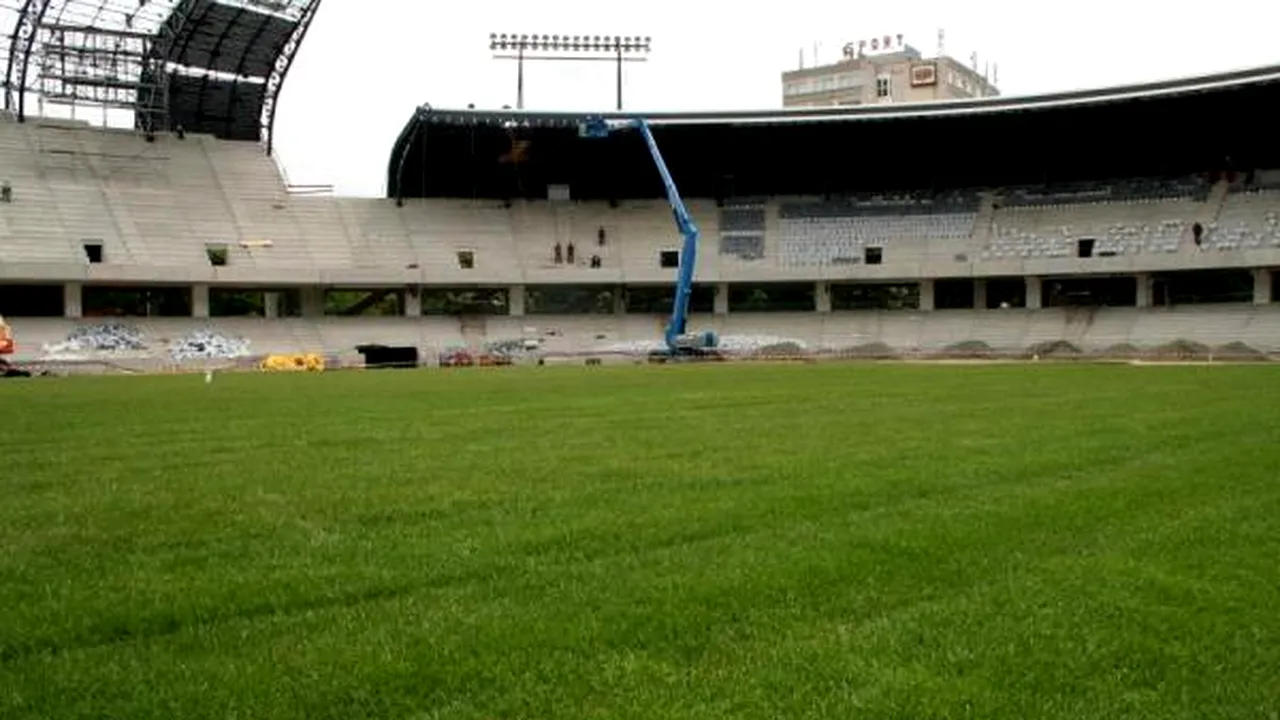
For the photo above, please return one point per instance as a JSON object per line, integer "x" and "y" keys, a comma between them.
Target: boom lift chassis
{"x": 680, "y": 345}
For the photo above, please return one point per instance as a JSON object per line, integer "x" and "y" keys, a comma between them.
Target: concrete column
{"x": 722, "y": 299}
{"x": 1033, "y": 293}
{"x": 271, "y": 304}
{"x": 312, "y": 302}
{"x": 515, "y": 300}
{"x": 199, "y": 301}
{"x": 822, "y": 297}
{"x": 413, "y": 302}
{"x": 72, "y": 300}
{"x": 619, "y": 300}
{"x": 1146, "y": 294}
{"x": 1262, "y": 280}
{"x": 979, "y": 294}
{"x": 926, "y": 294}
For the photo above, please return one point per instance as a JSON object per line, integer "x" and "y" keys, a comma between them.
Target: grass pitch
{"x": 698, "y": 542}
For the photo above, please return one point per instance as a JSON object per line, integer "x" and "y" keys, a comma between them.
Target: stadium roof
{"x": 1170, "y": 126}
{"x": 209, "y": 66}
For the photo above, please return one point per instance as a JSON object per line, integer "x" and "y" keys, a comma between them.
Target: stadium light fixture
{"x": 618, "y": 49}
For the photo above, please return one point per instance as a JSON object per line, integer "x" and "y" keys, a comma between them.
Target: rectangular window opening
{"x": 669, "y": 258}
{"x": 467, "y": 259}
{"x": 217, "y": 254}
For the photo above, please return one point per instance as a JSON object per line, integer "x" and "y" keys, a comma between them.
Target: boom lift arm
{"x": 677, "y": 340}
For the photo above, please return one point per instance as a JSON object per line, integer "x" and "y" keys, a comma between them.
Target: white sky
{"x": 362, "y": 70}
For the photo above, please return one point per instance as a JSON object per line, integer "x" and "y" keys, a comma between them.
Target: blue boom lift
{"x": 680, "y": 344}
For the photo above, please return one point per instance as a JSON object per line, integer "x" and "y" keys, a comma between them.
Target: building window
{"x": 467, "y": 259}
{"x": 883, "y": 88}
{"x": 846, "y": 80}
{"x": 669, "y": 258}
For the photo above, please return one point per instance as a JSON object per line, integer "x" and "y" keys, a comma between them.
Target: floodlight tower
{"x": 520, "y": 47}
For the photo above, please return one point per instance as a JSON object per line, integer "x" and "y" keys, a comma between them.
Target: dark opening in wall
{"x": 217, "y": 254}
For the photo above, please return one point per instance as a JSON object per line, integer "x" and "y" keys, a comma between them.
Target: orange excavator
{"x": 6, "y": 338}
{"x": 6, "y": 348}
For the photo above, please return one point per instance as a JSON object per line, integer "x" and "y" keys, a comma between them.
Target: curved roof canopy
{"x": 1171, "y": 126}
{"x": 210, "y": 66}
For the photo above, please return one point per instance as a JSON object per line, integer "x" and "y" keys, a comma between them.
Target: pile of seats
{"x": 208, "y": 345}
{"x": 733, "y": 345}
{"x": 87, "y": 340}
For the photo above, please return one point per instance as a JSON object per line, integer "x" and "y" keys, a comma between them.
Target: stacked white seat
{"x": 834, "y": 234}
{"x": 1249, "y": 220}
{"x": 1118, "y": 217}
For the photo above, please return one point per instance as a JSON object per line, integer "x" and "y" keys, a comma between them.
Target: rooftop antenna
{"x": 942, "y": 42}
{"x": 995, "y": 74}
{"x": 801, "y": 58}
{"x": 986, "y": 71}
{"x": 973, "y": 60}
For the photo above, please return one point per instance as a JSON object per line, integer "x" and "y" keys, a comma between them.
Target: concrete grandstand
{"x": 1109, "y": 221}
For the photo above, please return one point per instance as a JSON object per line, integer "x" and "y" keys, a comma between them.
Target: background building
{"x": 884, "y": 70}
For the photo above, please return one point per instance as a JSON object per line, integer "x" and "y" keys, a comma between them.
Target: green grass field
{"x": 697, "y": 542}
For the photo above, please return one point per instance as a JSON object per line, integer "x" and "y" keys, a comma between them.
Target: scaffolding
{"x": 105, "y": 69}
{"x": 80, "y": 55}
{"x": 127, "y": 58}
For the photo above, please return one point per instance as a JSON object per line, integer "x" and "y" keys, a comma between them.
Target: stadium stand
{"x": 178, "y": 241}
{"x": 1124, "y": 217}
{"x": 842, "y": 232}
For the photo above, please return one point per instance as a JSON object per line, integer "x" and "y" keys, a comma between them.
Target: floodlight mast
{"x": 617, "y": 49}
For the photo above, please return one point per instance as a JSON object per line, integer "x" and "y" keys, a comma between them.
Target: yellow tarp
{"x": 309, "y": 362}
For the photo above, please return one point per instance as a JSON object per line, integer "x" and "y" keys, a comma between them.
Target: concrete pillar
{"x": 980, "y": 294}
{"x": 271, "y": 304}
{"x": 1146, "y": 294}
{"x": 926, "y": 294}
{"x": 1033, "y": 293}
{"x": 199, "y": 301}
{"x": 722, "y": 299}
{"x": 72, "y": 302}
{"x": 1262, "y": 280}
{"x": 515, "y": 300}
{"x": 822, "y": 297}
{"x": 413, "y": 302}
{"x": 619, "y": 300}
{"x": 312, "y": 302}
